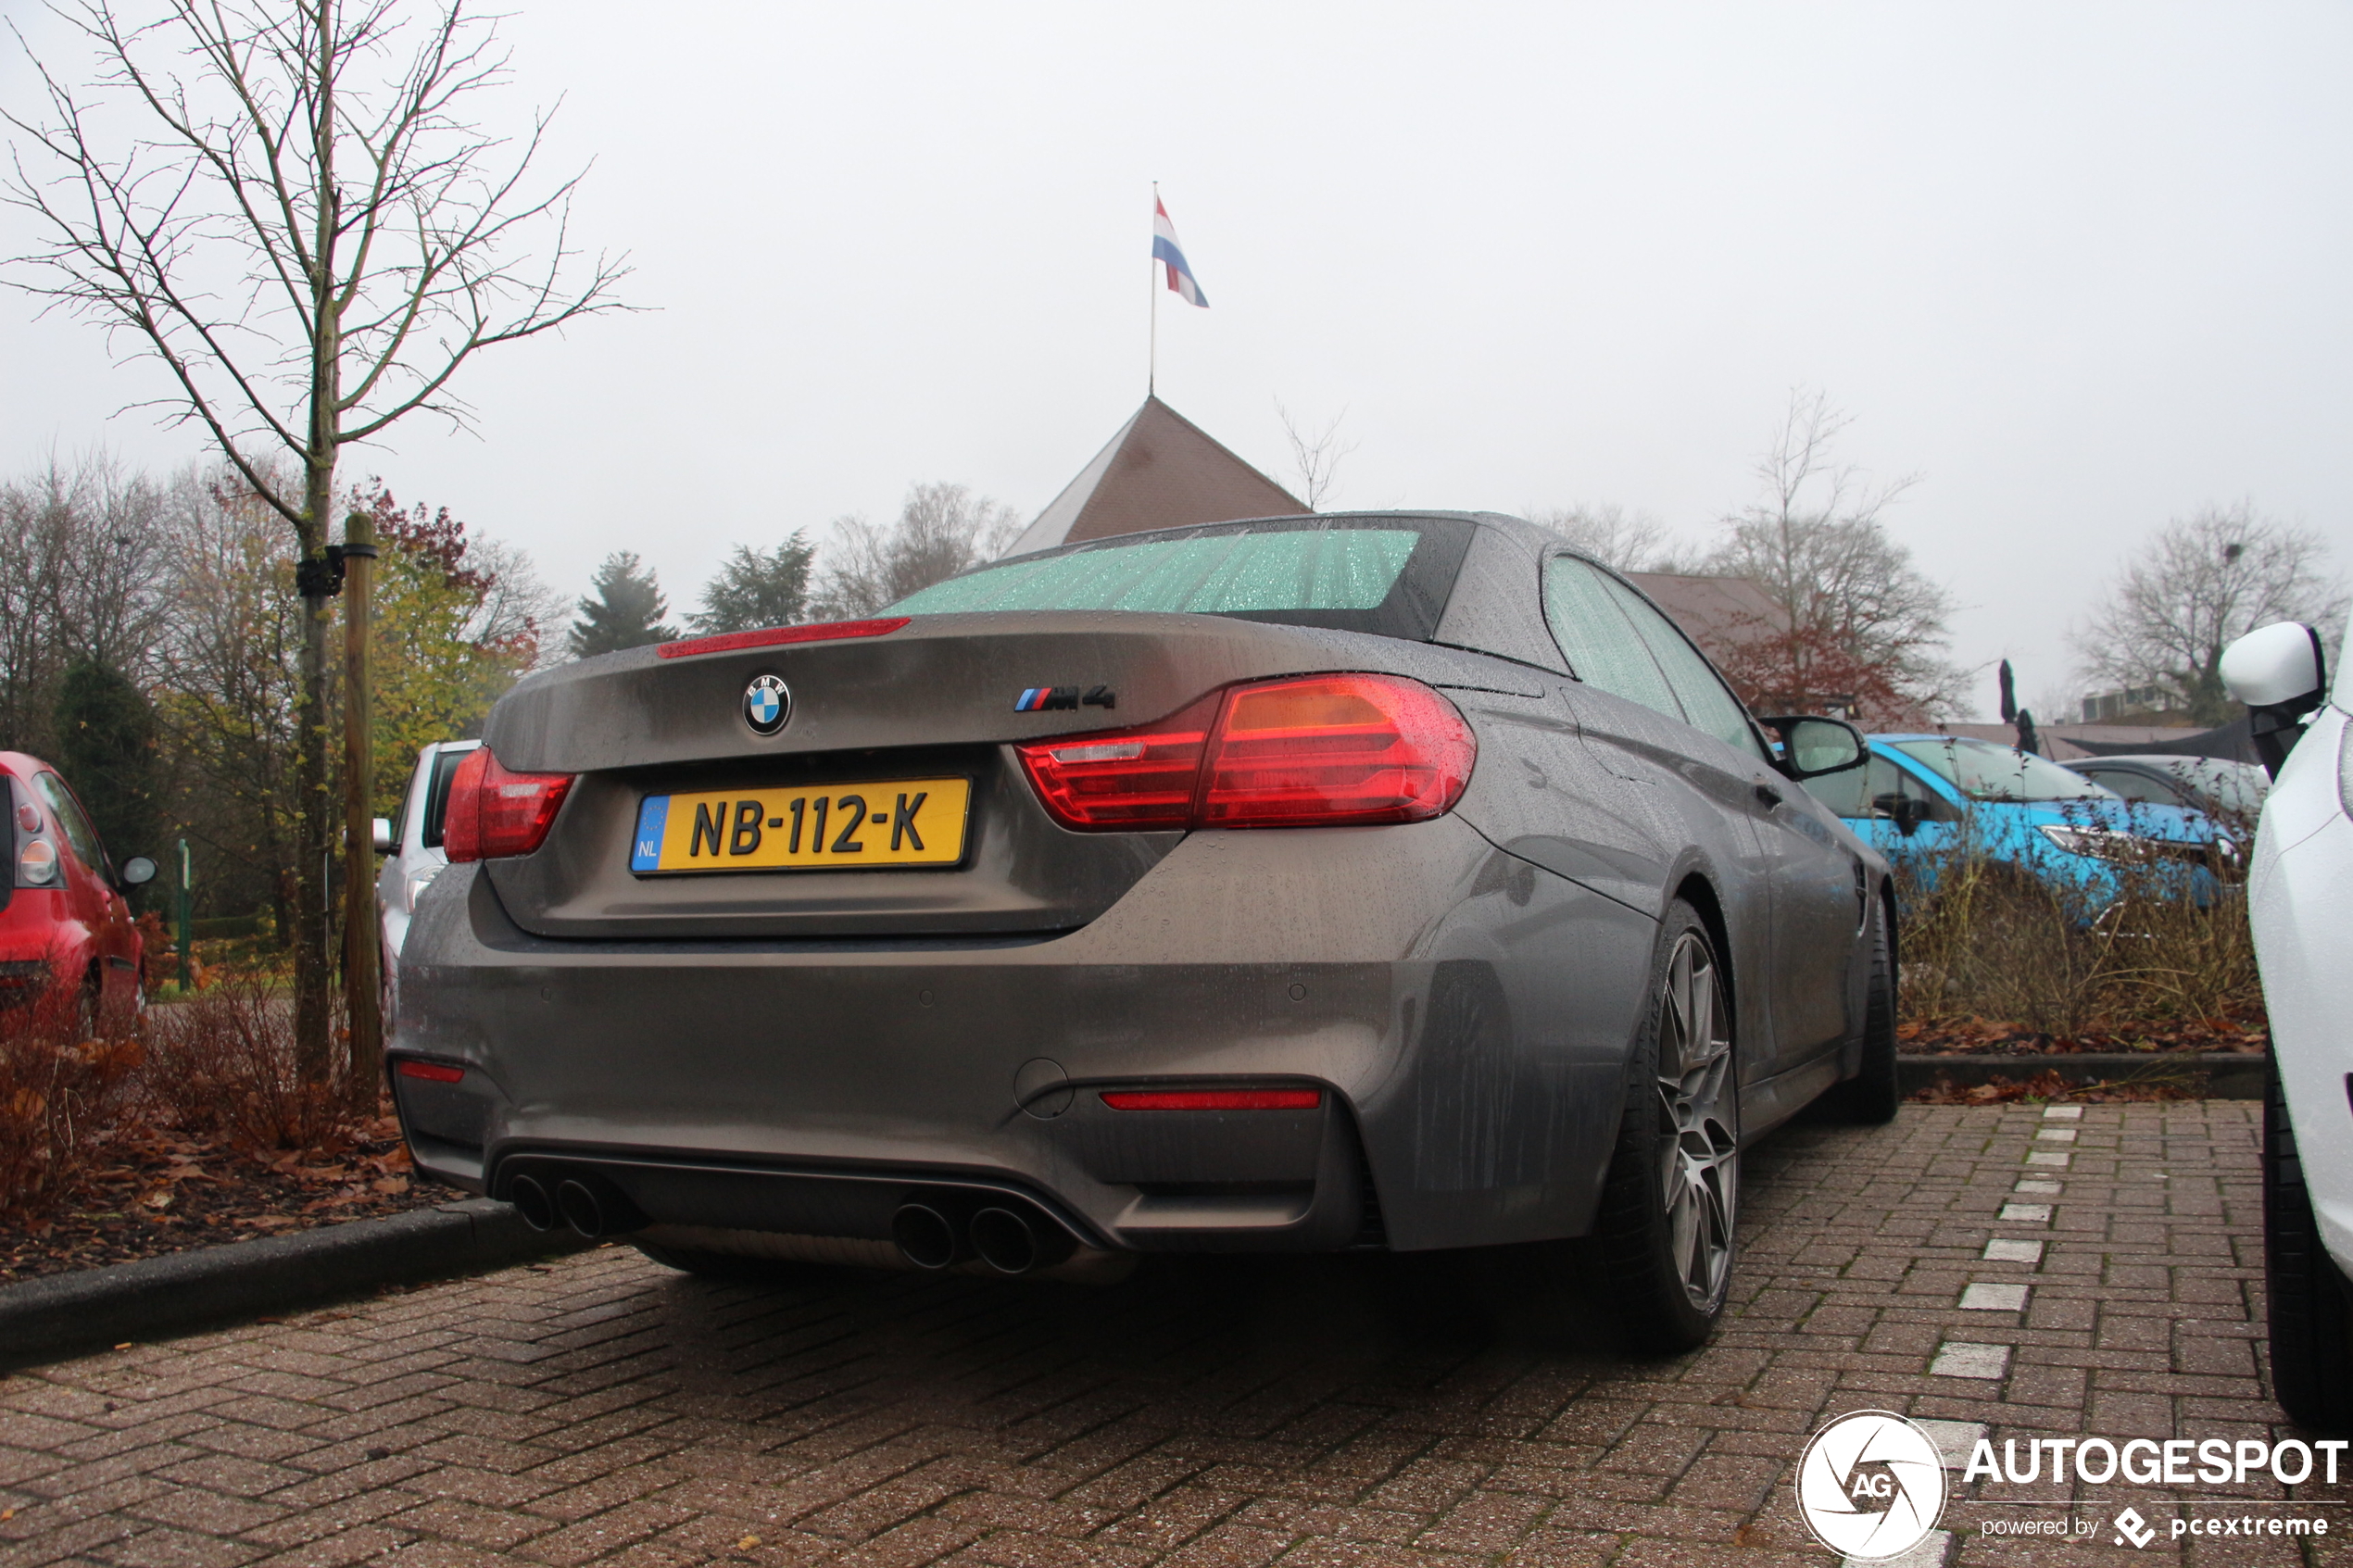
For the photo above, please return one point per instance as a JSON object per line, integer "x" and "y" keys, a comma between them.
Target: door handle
{"x": 1768, "y": 794}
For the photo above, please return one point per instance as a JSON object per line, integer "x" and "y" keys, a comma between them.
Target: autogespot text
{"x": 2145, "y": 1461}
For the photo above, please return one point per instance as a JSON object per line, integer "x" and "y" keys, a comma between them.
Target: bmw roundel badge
{"x": 767, "y": 705}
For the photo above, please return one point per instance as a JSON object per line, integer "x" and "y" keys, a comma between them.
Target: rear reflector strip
{"x": 773, "y": 636}
{"x": 1213, "y": 1100}
{"x": 432, "y": 1072}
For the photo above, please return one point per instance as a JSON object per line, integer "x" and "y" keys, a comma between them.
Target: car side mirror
{"x": 1909, "y": 813}
{"x": 136, "y": 871}
{"x": 2280, "y": 673}
{"x": 385, "y": 843}
{"x": 1813, "y": 747}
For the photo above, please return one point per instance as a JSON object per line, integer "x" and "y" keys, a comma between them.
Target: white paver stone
{"x": 2062, "y": 1113}
{"x": 2056, "y": 1135}
{"x": 2047, "y": 1189}
{"x": 1934, "y": 1550}
{"x": 1954, "y": 1440}
{"x": 2048, "y": 1157}
{"x": 2002, "y": 1250}
{"x": 1959, "y": 1358}
{"x": 1986, "y": 1297}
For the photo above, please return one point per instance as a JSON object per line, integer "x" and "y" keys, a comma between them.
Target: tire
{"x": 1870, "y": 1098}
{"x": 1663, "y": 1239}
{"x": 2311, "y": 1328}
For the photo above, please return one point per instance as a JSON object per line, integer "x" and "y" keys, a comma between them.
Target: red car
{"x": 63, "y": 916}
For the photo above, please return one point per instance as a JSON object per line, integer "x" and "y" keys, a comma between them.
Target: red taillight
{"x": 1213, "y": 1100}
{"x": 773, "y": 636}
{"x": 494, "y": 814}
{"x": 1313, "y": 752}
{"x": 431, "y": 1071}
{"x": 1141, "y": 778}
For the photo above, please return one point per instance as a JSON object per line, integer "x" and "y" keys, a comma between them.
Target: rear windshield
{"x": 1380, "y": 574}
{"x": 1982, "y": 770}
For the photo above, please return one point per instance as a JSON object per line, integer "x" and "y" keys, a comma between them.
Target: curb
{"x": 64, "y": 1315}
{"x": 2213, "y": 1076}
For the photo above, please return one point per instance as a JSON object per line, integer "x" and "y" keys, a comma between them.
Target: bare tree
{"x": 942, "y": 529}
{"x": 226, "y": 688}
{"x": 80, "y": 555}
{"x": 2202, "y": 583}
{"x": 1628, "y": 541}
{"x": 283, "y": 204}
{"x": 1858, "y": 626}
{"x": 1316, "y": 459}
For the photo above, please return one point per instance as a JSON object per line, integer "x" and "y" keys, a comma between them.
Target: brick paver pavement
{"x": 1331, "y": 1411}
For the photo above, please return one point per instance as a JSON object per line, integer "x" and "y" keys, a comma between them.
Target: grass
{"x": 1983, "y": 940}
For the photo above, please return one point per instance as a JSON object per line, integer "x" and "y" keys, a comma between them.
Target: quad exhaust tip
{"x": 1005, "y": 1239}
{"x": 531, "y": 1200}
{"x": 586, "y": 1203}
{"x": 926, "y": 1237}
{"x": 582, "y": 1210}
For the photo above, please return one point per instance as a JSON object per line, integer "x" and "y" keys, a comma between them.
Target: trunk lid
{"x": 934, "y": 700}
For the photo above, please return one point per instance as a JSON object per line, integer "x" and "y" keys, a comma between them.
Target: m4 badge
{"x": 1048, "y": 699}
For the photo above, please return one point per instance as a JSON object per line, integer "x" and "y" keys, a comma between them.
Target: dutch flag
{"x": 1167, "y": 251}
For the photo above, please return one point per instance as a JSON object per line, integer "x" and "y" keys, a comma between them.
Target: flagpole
{"x": 1152, "y": 286}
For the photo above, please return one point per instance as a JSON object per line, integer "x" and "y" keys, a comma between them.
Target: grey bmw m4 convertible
{"x": 1397, "y": 880}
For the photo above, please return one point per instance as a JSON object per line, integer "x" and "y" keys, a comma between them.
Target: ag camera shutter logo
{"x": 1871, "y": 1486}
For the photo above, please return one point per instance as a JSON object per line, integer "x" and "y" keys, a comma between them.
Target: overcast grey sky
{"x": 2083, "y": 267}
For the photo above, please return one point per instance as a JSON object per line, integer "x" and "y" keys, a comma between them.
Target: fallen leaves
{"x": 1982, "y": 1037}
{"x": 158, "y": 1189}
{"x": 2050, "y": 1084}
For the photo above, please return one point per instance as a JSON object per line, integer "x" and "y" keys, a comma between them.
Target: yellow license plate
{"x": 832, "y": 827}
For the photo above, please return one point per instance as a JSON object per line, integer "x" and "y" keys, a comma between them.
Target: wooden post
{"x": 362, "y": 986}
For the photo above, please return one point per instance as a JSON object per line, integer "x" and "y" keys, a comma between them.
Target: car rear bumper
{"x": 1462, "y": 1016}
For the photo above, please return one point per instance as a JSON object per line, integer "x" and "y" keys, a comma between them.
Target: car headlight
{"x": 2104, "y": 844}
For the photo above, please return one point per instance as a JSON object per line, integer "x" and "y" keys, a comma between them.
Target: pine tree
{"x": 755, "y": 589}
{"x": 625, "y": 611}
{"x": 107, "y": 751}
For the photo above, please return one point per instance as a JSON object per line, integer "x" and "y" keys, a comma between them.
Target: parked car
{"x": 410, "y": 842}
{"x": 2230, "y": 793}
{"x": 1396, "y": 880}
{"x": 65, "y": 920}
{"x": 1921, "y": 796}
{"x": 2300, "y": 905}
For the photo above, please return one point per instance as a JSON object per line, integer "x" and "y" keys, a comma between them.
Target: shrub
{"x": 63, "y": 1090}
{"x": 1985, "y": 937}
{"x": 223, "y": 1063}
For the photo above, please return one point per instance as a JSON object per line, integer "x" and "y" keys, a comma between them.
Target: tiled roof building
{"x": 1160, "y": 471}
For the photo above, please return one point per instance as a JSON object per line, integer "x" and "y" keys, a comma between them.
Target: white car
{"x": 2300, "y": 899}
{"x": 412, "y": 845}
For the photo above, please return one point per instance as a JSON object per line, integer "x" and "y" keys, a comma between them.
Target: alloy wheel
{"x": 1699, "y": 1146}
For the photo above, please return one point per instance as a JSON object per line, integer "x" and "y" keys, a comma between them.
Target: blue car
{"x": 1921, "y": 796}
